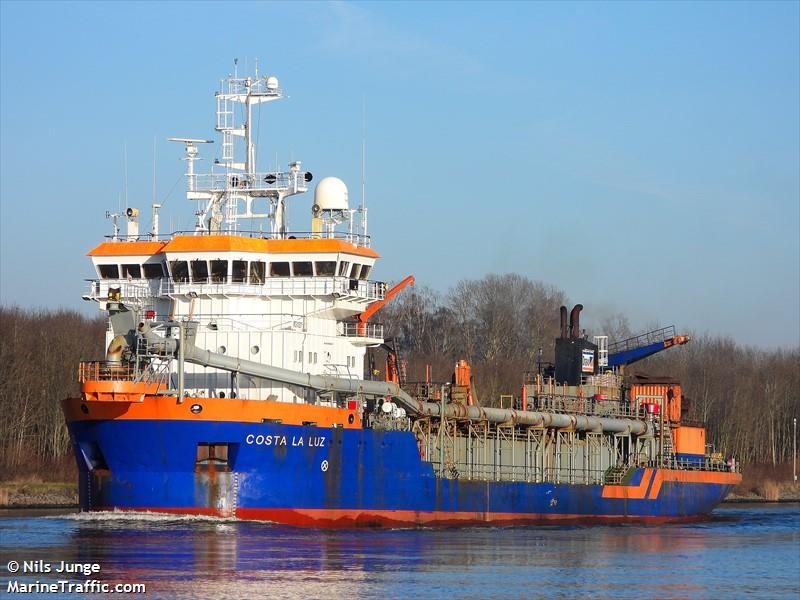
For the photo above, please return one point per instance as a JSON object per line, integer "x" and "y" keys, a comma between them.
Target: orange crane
{"x": 363, "y": 318}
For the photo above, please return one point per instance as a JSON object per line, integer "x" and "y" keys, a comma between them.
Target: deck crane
{"x": 363, "y": 318}
{"x": 641, "y": 346}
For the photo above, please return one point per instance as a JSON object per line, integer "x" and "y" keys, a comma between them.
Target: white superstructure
{"x": 285, "y": 298}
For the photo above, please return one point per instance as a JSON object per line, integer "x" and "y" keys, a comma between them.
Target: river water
{"x": 744, "y": 550}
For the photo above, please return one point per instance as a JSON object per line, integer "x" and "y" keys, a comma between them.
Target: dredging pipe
{"x": 205, "y": 358}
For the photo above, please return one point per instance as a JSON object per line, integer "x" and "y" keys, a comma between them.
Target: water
{"x": 744, "y": 550}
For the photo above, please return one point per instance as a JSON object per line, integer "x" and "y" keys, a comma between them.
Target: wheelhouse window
{"x": 355, "y": 271}
{"x": 279, "y": 269}
{"x": 257, "y": 272}
{"x": 325, "y": 268}
{"x": 131, "y": 271}
{"x": 365, "y": 271}
{"x": 180, "y": 270}
{"x": 199, "y": 271}
{"x": 343, "y": 267}
{"x": 238, "y": 271}
{"x": 302, "y": 269}
{"x": 219, "y": 271}
{"x": 153, "y": 270}
{"x": 108, "y": 271}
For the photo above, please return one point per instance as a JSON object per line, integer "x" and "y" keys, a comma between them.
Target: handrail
{"x": 356, "y": 239}
{"x": 343, "y": 287}
{"x": 361, "y": 330}
{"x": 101, "y": 370}
{"x": 643, "y": 339}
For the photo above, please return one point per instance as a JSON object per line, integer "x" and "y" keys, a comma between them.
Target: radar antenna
{"x": 234, "y": 183}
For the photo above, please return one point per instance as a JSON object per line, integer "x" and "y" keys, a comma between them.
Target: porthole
{"x": 196, "y": 409}
{"x": 350, "y": 418}
{"x": 84, "y": 409}
{"x": 222, "y": 349}
{"x": 254, "y": 350}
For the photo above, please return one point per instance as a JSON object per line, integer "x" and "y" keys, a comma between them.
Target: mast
{"x": 234, "y": 187}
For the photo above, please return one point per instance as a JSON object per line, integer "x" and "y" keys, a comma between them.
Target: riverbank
{"x": 766, "y": 483}
{"x": 32, "y": 494}
{"x": 767, "y": 491}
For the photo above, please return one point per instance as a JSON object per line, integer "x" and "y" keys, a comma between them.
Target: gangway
{"x": 641, "y": 346}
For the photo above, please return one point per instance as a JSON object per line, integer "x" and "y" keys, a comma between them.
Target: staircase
{"x": 614, "y": 475}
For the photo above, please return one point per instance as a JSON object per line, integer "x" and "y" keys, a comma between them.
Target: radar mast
{"x": 231, "y": 190}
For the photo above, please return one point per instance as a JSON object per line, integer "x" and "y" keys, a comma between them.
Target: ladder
{"x": 226, "y": 124}
{"x": 667, "y": 451}
{"x": 402, "y": 371}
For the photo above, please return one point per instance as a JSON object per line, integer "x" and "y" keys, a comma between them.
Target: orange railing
{"x": 99, "y": 370}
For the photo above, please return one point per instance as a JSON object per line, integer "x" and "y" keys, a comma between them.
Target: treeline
{"x": 504, "y": 324}
{"x": 748, "y": 396}
{"x": 39, "y": 355}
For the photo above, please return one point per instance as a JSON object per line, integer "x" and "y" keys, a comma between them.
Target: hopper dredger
{"x": 234, "y": 385}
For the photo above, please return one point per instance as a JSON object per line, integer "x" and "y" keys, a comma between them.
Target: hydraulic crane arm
{"x": 637, "y": 353}
{"x": 376, "y": 306}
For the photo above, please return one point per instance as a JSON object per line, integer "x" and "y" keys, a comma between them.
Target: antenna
{"x": 189, "y": 140}
{"x": 154, "y": 171}
{"x": 125, "y": 171}
{"x": 114, "y": 217}
{"x": 191, "y": 157}
{"x": 228, "y": 193}
{"x": 364, "y": 167}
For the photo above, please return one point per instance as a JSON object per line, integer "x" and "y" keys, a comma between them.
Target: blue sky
{"x": 644, "y": 157}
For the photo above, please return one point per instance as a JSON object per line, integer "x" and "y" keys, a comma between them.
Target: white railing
{"x": 338, "y": 287}
{"x": 361, "y": 330}
{"x": 357, "y": 239}
{"x": 118, "y": 289}
{"x": 281, "y": 286}
{"x": 244, "y": 182}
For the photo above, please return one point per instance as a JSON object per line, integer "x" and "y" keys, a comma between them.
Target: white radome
{"x": 331, "y": 194}
{"x": 272, "y": 83}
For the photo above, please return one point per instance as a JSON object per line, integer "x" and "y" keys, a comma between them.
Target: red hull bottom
{"x": 396, "y": 519}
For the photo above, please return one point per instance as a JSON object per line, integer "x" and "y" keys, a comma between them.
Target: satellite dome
{"x": 331, "y": 194}
{"x": 272, "y": 83}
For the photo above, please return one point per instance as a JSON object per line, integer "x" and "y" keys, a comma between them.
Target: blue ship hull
{"x": 337, "y": 477}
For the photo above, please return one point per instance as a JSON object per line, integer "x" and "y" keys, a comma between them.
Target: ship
{"x": 234, "y": 383}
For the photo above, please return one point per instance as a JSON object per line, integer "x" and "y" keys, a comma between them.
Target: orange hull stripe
{"x": 656, "y": 487}
{"x": 639, "y": 492}
{"x": 166, "y": 408}
{"x": 635, "y": 492}
{"x": 718, "y": 477}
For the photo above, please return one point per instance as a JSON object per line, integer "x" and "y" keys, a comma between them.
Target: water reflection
{"x": 196, "y": 557}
